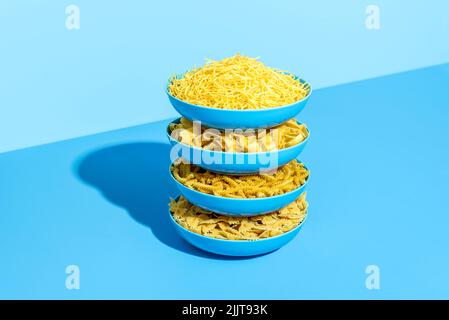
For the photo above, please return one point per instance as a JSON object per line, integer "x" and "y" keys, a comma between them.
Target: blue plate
{"x": 234, "y": 162}
{"x": 243, "y": 119}
{"x": 239, "y": 207}
{"x": 236, "y": 247}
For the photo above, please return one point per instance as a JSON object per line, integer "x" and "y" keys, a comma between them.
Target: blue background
{"x": 58, "y": 83}
{"x": 378, "y": 195}
{"x": 378, "y": 152}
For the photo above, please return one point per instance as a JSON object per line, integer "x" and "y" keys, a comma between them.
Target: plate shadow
{"x": 135, "y": 176}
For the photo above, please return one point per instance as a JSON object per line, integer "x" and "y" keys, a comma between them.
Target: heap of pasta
{"x": 238, "y": 82}
{"x": 285, "y": 179}
{"x": 218, "y": 226}
{"x": 281, "y": 136}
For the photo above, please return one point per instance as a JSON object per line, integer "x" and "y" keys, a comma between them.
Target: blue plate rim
{"x": 239, "y": 241}
{"x": 239, "y": 110}
{"x": 242, "y": 199}
{"x": 236, "y": 153}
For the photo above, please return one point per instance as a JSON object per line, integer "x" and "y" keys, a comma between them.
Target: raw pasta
{"x": 213, "y": 225}
{"x": 238, "y": 82}
{"x": 282, "y": 136}
{"x": 283, "y": 180}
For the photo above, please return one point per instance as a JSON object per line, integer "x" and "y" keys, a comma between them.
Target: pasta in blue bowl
{"x": 203, "y": 149}
{"x": 238, "y": 92}
{"x": 244, "y": 119}
{"x": 240, "y": 195}
{"x": 244, "y": 236}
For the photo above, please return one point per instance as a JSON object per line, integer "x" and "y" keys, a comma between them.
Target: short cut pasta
{"x": 285, "y": 179}
{"x": 213, "y": 225}
{"x": 238, "y": 82}
{"x": 282, "y": 136}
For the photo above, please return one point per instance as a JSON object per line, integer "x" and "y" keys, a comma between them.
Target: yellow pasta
{"x": 281, "y": 136}
{"x": 285, "y": 179}
{"x": 238, "y": 82}
{"x": 218, "y": 226}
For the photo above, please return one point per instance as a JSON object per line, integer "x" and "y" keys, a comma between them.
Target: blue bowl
{"x": 243, "y": 119}
{"x": 234, "y": 162}
{"x": 236, "y": 206}
{"x": 239, "y": 248}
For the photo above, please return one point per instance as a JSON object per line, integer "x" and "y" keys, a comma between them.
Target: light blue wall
{"x": 57, "y": 83}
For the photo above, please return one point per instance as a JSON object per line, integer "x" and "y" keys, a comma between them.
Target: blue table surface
{"x": 378, "y": 194}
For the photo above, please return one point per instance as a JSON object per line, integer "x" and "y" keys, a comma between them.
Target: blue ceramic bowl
{"x": 236, "y": 247}
{"x": 234, "y": 162}
{"x": 236, "y": 206}
{"x": 243, "y": 119}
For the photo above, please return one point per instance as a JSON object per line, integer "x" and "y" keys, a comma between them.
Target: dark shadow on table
{"x": 135, "y": 177}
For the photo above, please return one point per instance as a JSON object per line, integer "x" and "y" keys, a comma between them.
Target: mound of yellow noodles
{"x": 283, "y": 180}
{"x": 238, "y": 82}
{"x": 282, "y": 136}
{"x": 218, "y": 226}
